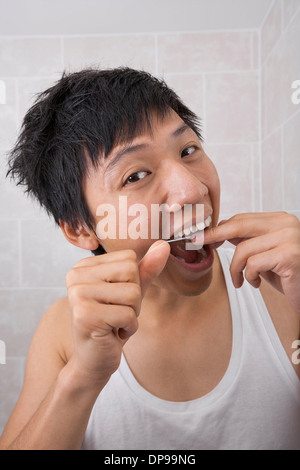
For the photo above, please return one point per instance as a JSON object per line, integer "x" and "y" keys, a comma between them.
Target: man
{"x": 156, "y": 346}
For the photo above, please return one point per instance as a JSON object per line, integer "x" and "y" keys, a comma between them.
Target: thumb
{"x": 153, "y": 262}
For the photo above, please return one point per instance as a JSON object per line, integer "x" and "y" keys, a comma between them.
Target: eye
{"x": 188, "y": 150}
{"x": 138, "y": 175}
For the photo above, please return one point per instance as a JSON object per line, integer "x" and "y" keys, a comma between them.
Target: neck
{"x": 161, "y": 305}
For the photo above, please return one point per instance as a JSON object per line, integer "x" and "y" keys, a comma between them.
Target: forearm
{"x": 61, "y": 420}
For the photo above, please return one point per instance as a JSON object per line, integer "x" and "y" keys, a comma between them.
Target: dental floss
{"x": 165, "y": 241}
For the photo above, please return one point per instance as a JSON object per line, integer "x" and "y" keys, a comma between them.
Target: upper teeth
{"x": 198, "y": 227}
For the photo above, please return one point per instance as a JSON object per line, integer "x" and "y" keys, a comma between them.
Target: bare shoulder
{"x": 285, "y": 319}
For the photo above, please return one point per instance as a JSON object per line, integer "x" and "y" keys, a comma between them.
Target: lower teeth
{"x": 203, "y": 253}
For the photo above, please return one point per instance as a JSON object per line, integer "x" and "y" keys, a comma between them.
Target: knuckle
{"x": 73, "y": 276}
{"x": 80, "y": 316}
{"x": 131, "y": 254}
{"x": 252, "y": 263}
{"x": 294, "y": 221}
{"x": 82, "y": 262}
{"x": 289, "y": 220}
{"x": 129, "y": 268}
{"x": 240, "y": 249}
{"x": 70, "y": 277}
{"x": 129, "y": 315}
{"x": 76, "y": 293}
{"x": 135, "y": 292}
{"x": 290, "y": 233}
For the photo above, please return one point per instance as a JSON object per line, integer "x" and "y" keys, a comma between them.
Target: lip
{"x": 197, "y": 267}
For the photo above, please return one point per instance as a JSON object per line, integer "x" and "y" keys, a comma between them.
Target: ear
{"x": 81, "y": 236}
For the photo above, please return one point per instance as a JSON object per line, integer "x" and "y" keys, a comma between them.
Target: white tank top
{"x": 256, "y": 405}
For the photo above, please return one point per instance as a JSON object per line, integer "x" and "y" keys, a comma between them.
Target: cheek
{"x": 128, "y": 228}
{"x": 215, "y": 190}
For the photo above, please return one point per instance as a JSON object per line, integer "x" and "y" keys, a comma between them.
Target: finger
{"x": 111, "y": 257}
{"x": 237, "y": 229}
{"x": 263, "y": 215}
{"x": 259, "y": 264}
{"x": 153, "y": 263}
{"x": 123, "y": 271}
{"x": 113, "y": 318}
{"x": 110, "y": 293}
{"x": 249, "y": 248}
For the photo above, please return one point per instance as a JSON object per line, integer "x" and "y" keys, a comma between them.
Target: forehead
{"x": 152, "y": 132}
{"x": 161, "y": 132}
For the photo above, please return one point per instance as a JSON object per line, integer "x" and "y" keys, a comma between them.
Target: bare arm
{"x": 53, "y": 409}
{"x": 77, "y": 347}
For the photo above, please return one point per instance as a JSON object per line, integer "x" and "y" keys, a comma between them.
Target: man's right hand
{"x": 105, "y": 295}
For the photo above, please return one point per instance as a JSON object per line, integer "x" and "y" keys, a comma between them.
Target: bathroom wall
{"x": 280, "y": 117}
{"x": 230, "y": 77}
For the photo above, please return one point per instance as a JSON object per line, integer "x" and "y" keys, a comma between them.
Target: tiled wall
{"x": 280, "y": 125}
{"x": 238, "y": 81}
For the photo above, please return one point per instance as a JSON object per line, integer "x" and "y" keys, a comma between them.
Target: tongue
{"x": 178, "y": 249}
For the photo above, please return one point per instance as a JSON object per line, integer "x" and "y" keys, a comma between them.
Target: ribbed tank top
{"x": 256, "y": 405}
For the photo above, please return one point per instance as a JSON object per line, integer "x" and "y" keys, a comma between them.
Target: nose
{"x": 180, "y": 186}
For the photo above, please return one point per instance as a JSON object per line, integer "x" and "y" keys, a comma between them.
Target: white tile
{"x": 21, "y": 311}
{"x": 290, "y": 7}
{"x": 272, "y": 173}
{"x": 28, "y": 89}
{"x": 292, "y": 163}
{"x": 232, "y": 107}
{"x": 30, "y": 57}
{"x": 271, "y": 30}
{"x": 14, "y": 202}
{"x": 200, "y": 52}
{"x": 10, "y": 387}
{"x": 190, "y": 89}
{"x": 233, "y": 164}
{"x": 137, "y": 51}
{"x": 9, "y": 253}
{"x": 46, "y": 255}
{"x": 8, "y": 116}
{"x": 278, "y": 73}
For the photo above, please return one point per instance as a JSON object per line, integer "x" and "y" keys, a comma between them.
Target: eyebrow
{"x": 130, "y": 149}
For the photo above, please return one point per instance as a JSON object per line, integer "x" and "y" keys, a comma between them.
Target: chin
{"x": 185, "y": 287}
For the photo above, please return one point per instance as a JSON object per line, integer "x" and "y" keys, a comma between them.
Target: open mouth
{"x": 192, "y": 234}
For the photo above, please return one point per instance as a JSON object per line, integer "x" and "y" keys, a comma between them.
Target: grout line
{"x": 213, "y": 72}
{"x": 292, "y": 116}
{"x": 62, "y": 52}
{"x": 20, "y": 252}
{"x": 292, "y": 19}
{"x": 252, "y": 179}
{"x": 57, "y": 75}
{"x": 260, "y": 124}
{"x": 200, "y": 72}
{"x": 267, "y": 14}
{"x": 282, "y": 33}
{"x": 282, "y": 168}
{"x": 31, "y": 288}
{"x": 204, "y": 118}
{"x": 156, "y": 54}
{"x": 282, "y": 16}
{"x": 252, "y": 51}
{"x": 134, "y": 34}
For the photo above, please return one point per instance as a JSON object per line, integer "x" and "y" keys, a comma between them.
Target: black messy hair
{"x": 85, "y": 115}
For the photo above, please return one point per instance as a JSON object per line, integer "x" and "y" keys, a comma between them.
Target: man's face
{"x": 167, "y": 166}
